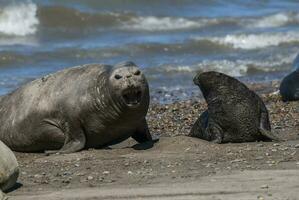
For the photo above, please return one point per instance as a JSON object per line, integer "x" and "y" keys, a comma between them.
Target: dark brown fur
{"x": 235, "y": 113}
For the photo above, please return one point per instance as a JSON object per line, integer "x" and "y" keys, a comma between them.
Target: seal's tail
{"x": 270, "y": 135}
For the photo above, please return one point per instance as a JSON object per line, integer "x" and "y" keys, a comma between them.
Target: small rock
{"x": 106, "y": 172}
{"x": 236, "y": 160}
{"x": 130, "y": 172}
{"x": 89, "y": 178}
{"x": 188, "y": 149}
{"x": 66, "y": 173}
{"x": 260, "y": 198}
{"x": 66, "y": 181}
{"x": 297, "y": 146}
{"x": 264, "y": 186}
{"x": 37, "y": 176}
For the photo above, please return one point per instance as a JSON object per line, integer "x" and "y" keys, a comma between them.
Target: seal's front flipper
{"x": 199, "y": 127}
{"x": 214, "y": 131}
{"x": 142, "y": 133}
{"x": 269, "y": 135}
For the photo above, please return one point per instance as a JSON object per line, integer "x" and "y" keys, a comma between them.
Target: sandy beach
{"x": 177, "y": 167}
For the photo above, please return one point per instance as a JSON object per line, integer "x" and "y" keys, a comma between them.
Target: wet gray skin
{"x": 9, "y": 169}
{"x": 89, "y": 106}
{"x": 234, "y": 114}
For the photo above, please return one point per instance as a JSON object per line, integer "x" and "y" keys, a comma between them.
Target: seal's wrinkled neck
{"x": 104, "y": 99}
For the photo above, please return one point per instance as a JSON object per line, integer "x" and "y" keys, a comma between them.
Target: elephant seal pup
{"x": 289, "y": 87}
{"x": 88, "y": 106}
{"x": 9, "y": 169}
{"x": 234, "y": 114}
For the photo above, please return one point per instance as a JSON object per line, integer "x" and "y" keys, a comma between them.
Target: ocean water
{"x": 170, "y": 40}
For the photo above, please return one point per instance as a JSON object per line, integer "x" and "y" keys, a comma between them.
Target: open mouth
{"x": 132, "y": 97}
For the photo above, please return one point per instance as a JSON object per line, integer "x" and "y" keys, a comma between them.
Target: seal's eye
{"x": 137, "y": 73}
{"x": 117, "y": 76}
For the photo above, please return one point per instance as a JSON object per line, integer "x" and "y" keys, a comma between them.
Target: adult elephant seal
{"x": 89, "y": 106}
{"x": 234, "y": 114}
{"x": 289, "y": 87}
{"x": 9, "y": 169}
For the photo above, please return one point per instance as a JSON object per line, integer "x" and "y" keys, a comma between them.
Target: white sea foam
{"x": 232, "y": 68}
{"x": 151, "y": 23}
{"x": 229, "y": 67}
{"x": 276, "y": 20}
{"x": 18, "y": 19}
{"x": 240, "y": 67}
{"x": 184, "y": 68}
{"x": 254, "y": 41}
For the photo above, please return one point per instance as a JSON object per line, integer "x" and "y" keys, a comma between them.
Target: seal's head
{"x": 129, "y": 85}
{"x": 216, "y": 83}
{"x": 210, "y": 80}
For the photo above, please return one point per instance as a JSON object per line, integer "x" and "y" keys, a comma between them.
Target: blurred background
{"x": 170, "y": 40}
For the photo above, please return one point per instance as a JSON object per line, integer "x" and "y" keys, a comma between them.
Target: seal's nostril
{"x": 117, "y": 76}
{"x": 137, "y": 73}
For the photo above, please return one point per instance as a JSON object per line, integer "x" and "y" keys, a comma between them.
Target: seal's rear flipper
{"x": 269, "y": 135}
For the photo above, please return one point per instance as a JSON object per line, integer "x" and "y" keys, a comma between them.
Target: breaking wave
{"x": 275, "y": 20}
{"x": 231, "y": 67}
{"x": 151, "y": 23}
{"x": 254, "y": 41}
{"x": 68, "y": 17}
{"x": 18, "y": 19}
